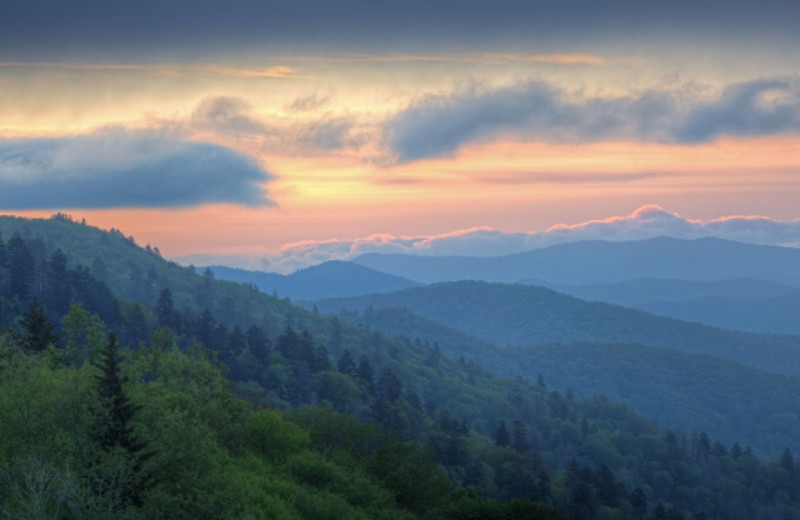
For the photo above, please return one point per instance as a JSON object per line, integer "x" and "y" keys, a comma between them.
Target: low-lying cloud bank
{"x": 117, "y": 167}
{"x": 646, "y": 222}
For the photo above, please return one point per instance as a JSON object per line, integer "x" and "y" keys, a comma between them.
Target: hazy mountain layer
{"x": 327, "y": 280}
{"x": 597, "y": 262}
{"x": 524, "y": 315}
{"x": 739, "y": 304}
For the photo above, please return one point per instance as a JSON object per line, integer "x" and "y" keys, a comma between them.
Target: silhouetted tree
{"x": 59, "y": 291}
{"x": 638, "y": 502}
{"x": 21, "y": 268}
{"x": 113, "y": 428}
{"x": 37, "y": 331}
{"x": 365, "y": 372}
{"x": 501, "y": 436}
{"x": 165, "y": 309}
{"x": 346, "y": 364}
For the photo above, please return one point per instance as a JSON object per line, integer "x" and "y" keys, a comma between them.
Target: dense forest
{"x": 211, "y": 399}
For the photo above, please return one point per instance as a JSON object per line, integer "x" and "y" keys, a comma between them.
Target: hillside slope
{"x": 523, "y": 315}
{"x": 333, "y": 279}
{"x": 677, "y": 389}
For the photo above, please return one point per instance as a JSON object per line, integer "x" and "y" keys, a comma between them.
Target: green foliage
{"x": 434, "y": 418}
{"x": 37, "y": 332}
{"x": 84, "y": 335}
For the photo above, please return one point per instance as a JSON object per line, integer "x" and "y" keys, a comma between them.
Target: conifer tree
{"x": 346, "y": 364}
{"x": 501, "y": 436}
{"x": 114, "y": 428}
{"x": 165, "y": 309}
{"x": 37, "y": 331}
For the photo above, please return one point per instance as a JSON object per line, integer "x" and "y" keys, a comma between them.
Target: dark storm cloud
{"x": 437, "y": 125}
{"x": 47, "y": 27}
{"x": 118, "y": 168}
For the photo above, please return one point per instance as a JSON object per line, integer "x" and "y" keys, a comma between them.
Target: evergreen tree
{"x": 37, "y": 331}
{"x": 365, "y": 372}
{"x": 638, "y": 502}
{"x": 501, "y": 436}
{"x": 257, "y": 343}
{"x": 21, "y": 268}
{"x": 59, "y": 291}
{"x": 346, "y": 364}
{"x": 389, "y": 387}
{"x": 165, "y": 309}
{"x": 787, "y": 461}
{"x": 114, "y": 428}
{"x": 520, "y": 441}
{"x": 205, "y": 329}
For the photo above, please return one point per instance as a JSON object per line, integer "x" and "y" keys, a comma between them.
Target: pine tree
{"x": 346, "y": 364}
{"x": 165, "y": 309}
{"x": 37, "y": 331}
{"x": 501, "y": 436}
{"x": 59, "y": 291}
{"x": 20, "y": 264}
{"x": 114, "y": 428}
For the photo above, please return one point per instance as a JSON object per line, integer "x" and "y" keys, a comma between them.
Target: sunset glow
{"x": 401, "y": 129}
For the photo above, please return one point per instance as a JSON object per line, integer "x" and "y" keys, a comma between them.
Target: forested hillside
{"x": 303, "y": 428}
{"x": 327, "y": 280}
{"x": 523, "y": 315}
{"x": 677, "y": 389}
{"x": 738, "y": 304}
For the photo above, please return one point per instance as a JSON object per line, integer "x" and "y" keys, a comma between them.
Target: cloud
{"x": 648, "y": 221}
{"x": 310, "y": 102}
{"x": 517, "y": 177}
{"x": 331, "y": 133}
{"x": 439, "y": 124}
{"x": 755, "y": 108}
{"x": 227, "y": 115}
{"x": 115, "y": 167}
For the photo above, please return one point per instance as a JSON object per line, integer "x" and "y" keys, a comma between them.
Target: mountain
{"x": 642, "y": 291}
{"x": 678, "y": 389}
{"x": 738, "y": 304}
{"x": 331, "y": 279}
{"x": 179, "y": 330}
{"x": 581, "y": 263}
{"x": 523, "y": 315}
{"x": 778, "y": 314}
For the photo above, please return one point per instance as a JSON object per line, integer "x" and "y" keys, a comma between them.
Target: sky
{"x": 277, "y": 134}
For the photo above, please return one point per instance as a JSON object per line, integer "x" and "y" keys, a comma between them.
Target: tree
{"x": 257, "y": 343}
{"x": 37, "y": 331}
{"x": 501, "y": 436}
{"x": 346, "y": 364}
{"x": 60, "y": 292}
{"x": 20, "y": 263}
{"x": 165, "y": 309}
{"x": 638, "y": 502}
{"x": 520, "y": 441}
{"x": 113, "y": 431}
{"x": 85, "y": 335}
{"x": 787, "y": 460}
{"x": 365, "y": 372}
{"x": 389, "y": 387}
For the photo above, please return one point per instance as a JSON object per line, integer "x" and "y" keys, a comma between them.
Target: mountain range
{"x": 329, "y": 279}
{"x": 590, "y": 262}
